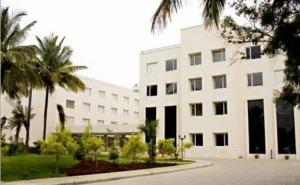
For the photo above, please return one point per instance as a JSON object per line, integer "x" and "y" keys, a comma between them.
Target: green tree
{"x": 276, "y": 24}
{"x": 212, "y": 10}
{"x": 134, "y": 147}
{"x": 55, "y": 68}
{"x": 16, "y": 71}
{"x": 183, "y": 147}
{"x": 19, "y": 119}
{"x": 150, "y": 131}
{"x": 59, "y": 143}
{"x": 92, "y": 146}
{"x": 166, "y": 146}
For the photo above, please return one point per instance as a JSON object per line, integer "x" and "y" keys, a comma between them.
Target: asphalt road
{"x": 225, "y": 172}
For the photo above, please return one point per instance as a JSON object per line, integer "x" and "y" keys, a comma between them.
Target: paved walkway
{"x": 225, "y": 172}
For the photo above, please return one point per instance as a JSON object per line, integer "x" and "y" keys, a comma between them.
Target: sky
{"x": 106, "y": 36}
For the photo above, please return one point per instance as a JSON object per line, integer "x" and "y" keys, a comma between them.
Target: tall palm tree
{"x": 15, "y": 70}
{"x": 212, "y": 10}
{"x": 55, "y": 68}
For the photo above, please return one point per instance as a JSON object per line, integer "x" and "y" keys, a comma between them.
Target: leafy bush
{"x": 134, "y": 147}
{"x": 184, "y": 146}
{"x": 166, "y": 146}
{"x": 13, "y": 149}
{"x": 114, "y": 155}
{"x": 36, "y": 149}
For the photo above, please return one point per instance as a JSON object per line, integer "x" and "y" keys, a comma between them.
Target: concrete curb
{"x": 84, "y": 179}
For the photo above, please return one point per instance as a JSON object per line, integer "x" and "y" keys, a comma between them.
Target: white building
{"x": 109, "y": 108}
{"x": 200, "y": 89}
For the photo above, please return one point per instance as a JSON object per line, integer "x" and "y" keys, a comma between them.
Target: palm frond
{"x": 212, "y": 12}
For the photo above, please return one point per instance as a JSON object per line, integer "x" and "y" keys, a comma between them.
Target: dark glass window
{"x": 196, "y": 84}
{"x": 219, "y": 55}
{"x": 196, "y": 59}
{"x": 253, "y": 52}
{"x": 220, "y": 108}
{"x": 221, "y": 139}
{"x": 219, "y": 81}
{"x": 285, "y": 128}
{"x": 152, "y": 90}
{"x": 171, "y": 65}
{"x": 255, "y": 79}
{"x": 197, "y": 139}
{"x": 196, "y": 109}
{"x": 171, "y": 88}
{"x": 256, "y": 126}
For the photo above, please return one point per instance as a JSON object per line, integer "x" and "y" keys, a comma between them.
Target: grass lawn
{"x": 31, "y": 166}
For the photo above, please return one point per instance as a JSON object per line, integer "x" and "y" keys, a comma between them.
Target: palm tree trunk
{"x": 18, "y": 129}
{"x": 28, "y": 117}
{"x": 45, "y": 113}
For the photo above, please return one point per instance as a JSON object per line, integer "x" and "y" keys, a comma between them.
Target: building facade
{"x": 110, "y": 109}
{"x": 202, "y": 91}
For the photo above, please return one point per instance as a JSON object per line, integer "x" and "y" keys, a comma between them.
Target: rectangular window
{"x": 197, "y": 139}
{"x": 171, "y": 65}
{"x": 219, "y": 81}
{"x": 101, "y": 109}
{"x": 86, "y": 121}
{"x": 152, "y": 90}
{"x": 136, "y": 102}
{"x": 126, "y": 113}
{"x": 255, "y": 79}
{"x": 70, "y": 120}
{"x": 196, "y": 84}
{"x": 136, "y": 115}
{"x": 219, "y": 55}
{"x": 195, "y": 59}
{"x": 70, "y": 104}
{"x": 114, "y": 97}
{"x": 152, "y": 68}
{"x": 196, "y": 109}
{"x": 88, "y": 91}
{"x": 220, "y": 108}
{"x": 126, "y": 100}
{"x": 253, "y": 52}
{"x": 171, "y": 88}
{"x": 87, "y": 107}
{"x": 113, "y": 122}
{"x": 101, "y": 94}
{"x": 221, "y": 139}
{"x": 114, "y": 111}
{"x": 100, "y": 122}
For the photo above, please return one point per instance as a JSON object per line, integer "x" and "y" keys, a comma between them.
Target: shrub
{"x": 114, "y": 155}
{"x": 166, "y": 146}
{"x": 134, "y": 147}
{"x": 36, "y": 149}
{"x": 183, "y": 147}
{"x": 13, "y": 149}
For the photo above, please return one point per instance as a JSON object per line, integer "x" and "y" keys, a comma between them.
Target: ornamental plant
{"x": 166, "y": 146}
{"x": 134, "y": 147}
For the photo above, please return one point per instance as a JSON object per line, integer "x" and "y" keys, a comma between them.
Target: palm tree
{"x": 55, "y": 68}
{"x": 15, "y": 69}
{"x": 150, "y": 130}
{"x": 20, "y": 119}
{"x": 212, "y": 10}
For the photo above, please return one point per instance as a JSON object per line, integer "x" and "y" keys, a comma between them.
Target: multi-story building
{"x": 202, "y": 91}
{"x": 110, "y": 109}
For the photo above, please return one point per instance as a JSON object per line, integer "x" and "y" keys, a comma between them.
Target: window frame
{"x": 217, "y": 51}
{"x": 194, "y": 140}
{"x": 193, "y": 109}
{"x": 225, "y": 139}
{"x": 85, "y": 105}
{"x": 250, "y": 56}
{"x": 224, "y": 108}
{"x": 174, "y": 88}
{"x": 149, "y": 90}
{"x": 193, "y": 84}
{"x": 149, "y": 72}
{"x": 224, "y": 81}
{"x": 251, "y": 82}
{"x": 174, "y": 65}
{"x": 193, "y": 59}
{"x": 68, "y": 107}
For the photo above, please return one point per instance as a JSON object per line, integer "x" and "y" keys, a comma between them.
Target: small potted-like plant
{"x": 256, "y": 156}
{"x": 287, "y": 152}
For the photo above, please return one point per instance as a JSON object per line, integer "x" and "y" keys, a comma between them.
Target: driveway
{"x": 225, "y": 172}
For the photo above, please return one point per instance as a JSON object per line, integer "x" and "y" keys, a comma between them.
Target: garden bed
{"x": 89, "y": 167}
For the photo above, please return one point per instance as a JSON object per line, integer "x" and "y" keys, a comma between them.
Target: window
{"x": 70, "y": 104}
{"x": 197, "y": 139}
{"x": 220, "y": 108}
{"x": 101, "y": 109}
{"x": 196, "y": 109}
{"x": 221, "y": 139}
{"x": 253, "y": 52}
{"x": 101, "y": 94}
{"x": 171, "y": 88}
{"x": 126, "y": 113}
{"x": 196, "y": 84}
{"x": 126, "y": 100}
{"x": 219, "y": 81}
{"x": 136, "y": 102}
{"x": 86, "y": 121}
{"x": 255, "y": 79}
{"x": 70, "y": 120}
{"x": 196, "y": 59}
{"x": 171, "y": 65}
{"x": 125, "y": 123}
{"x": 100, "y": 122}
{"x": 152, "y": 68}
{"x": 114, "y": 111}
{"x": 136, "y": 115}
{"x": 87, "y": 107}
{"x": 88, "y": 91}
{"x": 152, "y": 90}
{"x": 114, "y": 97}
{"x": 113, "y": 122}
{"x": 219, "y": 55}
